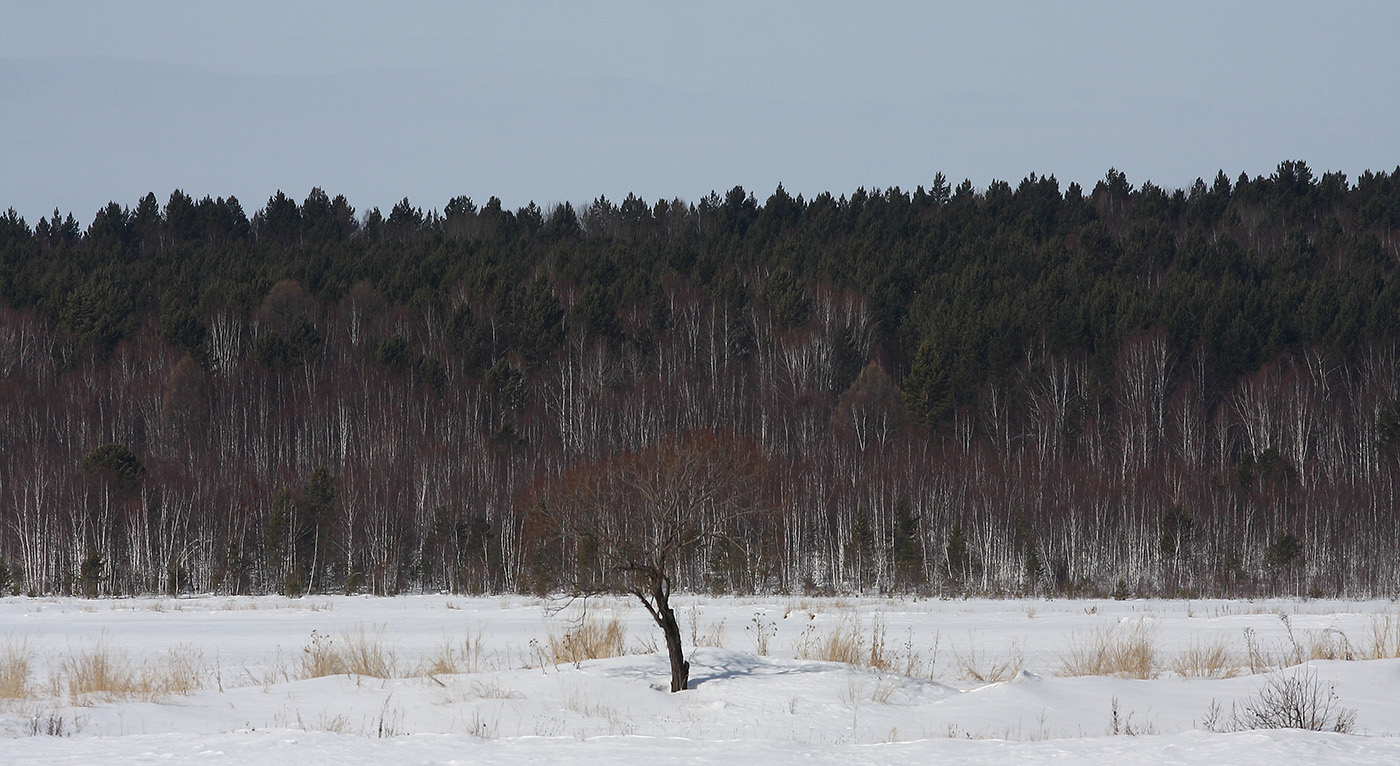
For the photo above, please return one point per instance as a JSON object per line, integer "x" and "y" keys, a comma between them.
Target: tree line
{"x": 1009, "y": 390}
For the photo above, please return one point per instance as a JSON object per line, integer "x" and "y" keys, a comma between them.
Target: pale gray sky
{"x": 564, "y": 101}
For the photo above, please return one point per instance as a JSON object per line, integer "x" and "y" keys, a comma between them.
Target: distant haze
{"x": 556, "y": 102}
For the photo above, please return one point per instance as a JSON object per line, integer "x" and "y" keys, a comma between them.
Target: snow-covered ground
{"x": 471, "y": 680}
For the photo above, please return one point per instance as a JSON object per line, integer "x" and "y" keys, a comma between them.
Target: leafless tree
{"x": 629, "y": 522}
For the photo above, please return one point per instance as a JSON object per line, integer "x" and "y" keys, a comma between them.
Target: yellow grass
{"x": 16, "y": 660}
{"x": 846, "y": 642}
{"x": 588, "y": 637}
{"x": 1117, "y": 651}
{"x": 360, "y": 653}
{"x": 1384, "y": 637}
{"x": 102, "y": 674}
{"x": 1207, "y": 659}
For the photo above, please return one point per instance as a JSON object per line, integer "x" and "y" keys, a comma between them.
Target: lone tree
{"x": 628, "y": 523}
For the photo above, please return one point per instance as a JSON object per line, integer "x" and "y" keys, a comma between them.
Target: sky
{"x": 566, "y": 101}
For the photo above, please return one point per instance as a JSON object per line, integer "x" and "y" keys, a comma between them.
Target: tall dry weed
{"x": 588, "y": 637}
{"x": 976, "y": 665}
{"x": 16, "y": 661}
{"x": 467, "y": 656}
{"x": 846, "y": 642}
{"x": 1207, "y": 659}
{"x": 1384, "y": 637}
{"x": 360, "y": 653}
{"x": 1115, "y": 651}
{"x": 104, "y": 674}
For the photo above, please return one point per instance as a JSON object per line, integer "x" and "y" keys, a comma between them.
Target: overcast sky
{"x": 567, "y": 101}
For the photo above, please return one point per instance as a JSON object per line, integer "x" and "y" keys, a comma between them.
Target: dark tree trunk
{"x": 666, "y": 618}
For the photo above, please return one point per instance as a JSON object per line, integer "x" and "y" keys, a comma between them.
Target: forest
{"x": 1022, "y": 389}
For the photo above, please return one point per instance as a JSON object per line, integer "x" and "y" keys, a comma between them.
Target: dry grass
{"x": 974, "y": 665}
{"x": 1122, "y": 652}
{"x": 811, "y": 607}
{"x": 713, "y": 636}
{"x": 1329, "y": 644}
{"x": 1384, "y": 638}
{"x": 468, "y": 656}
{"x": 588, "y": 637}
{"x": 861, "y": 687}
{"x": 360, "y": 653}
{"x": 101, "y": 674}
{"x": 848, "y": 643}
{"x": 1207, "y": 659}
{"x": 492, "y": 689}
{"x": 16, "y": 665}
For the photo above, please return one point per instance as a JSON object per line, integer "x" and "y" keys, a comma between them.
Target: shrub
{"x": 1297, "y": 701}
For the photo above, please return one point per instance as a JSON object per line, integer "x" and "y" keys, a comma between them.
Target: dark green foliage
{"x": 1177, "y": 530}
{"x": 1283, "y": 552}
{"x": 429, "y": 372}
{"x": 116, "y": 461}
{"x": 847, "y": 362}
{"x": 506, "y": 384}
{"x": 533, "y": 321}
{"x": 1388, "y": 431}
{"x": 1268, "y": 465}
{"x": 276, "y": 536}
{"x": 231, "y": 573}
{"x": 595, "y": 312}
{"x": 465, "y": 339}
{"x": 90, "y": 572}
{"x": 957, "y": 555}
{"x": 861, "y": 546}
{"x": 961, "y": 283}
{"x": 1023, "y": 541}
{"x": 182, "y": 328}
{"x": 785, "y": 295}
{"x": 928, "y": 389}
{"x": 908, "y": 547}
{"x": 398, "y": 357}
{"x": 99, "y": 312}
{"x": 296, "y": 534}
{"x": 274, "y": 352}
{"x": 394, "y": 355}
{"x": 177, "y": 578}
{"x": 277, "y": 351}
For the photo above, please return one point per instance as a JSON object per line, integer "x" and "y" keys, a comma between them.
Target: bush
{"x": 1297, "y": 701}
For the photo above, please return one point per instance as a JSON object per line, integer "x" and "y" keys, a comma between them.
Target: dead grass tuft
{"x": 1329, "y": 644}
{"x": 468, "y": 656}
{"x": 360, "y": 653}
{"x": 1207, "y": 659}
{"x": 848, "y": 643}
{"x": 1385, "y": 637}
{"x": 16, "y": 660}
{"x": 102, "y": 674}
{"x": 713, "y": 636}
{"x": 588, "y": 637}
{"x": 974, "y": 665}
{"x": 1122, "y": 652}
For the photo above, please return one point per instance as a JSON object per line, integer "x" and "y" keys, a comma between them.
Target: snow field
{"x": 444, "y": 678}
